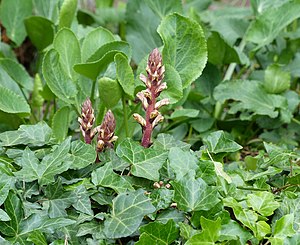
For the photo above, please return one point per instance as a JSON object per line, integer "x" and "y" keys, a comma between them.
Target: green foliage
{"x": 223, "y": 165}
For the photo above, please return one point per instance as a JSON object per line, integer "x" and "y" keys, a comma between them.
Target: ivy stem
{"x": 125, "y": 116}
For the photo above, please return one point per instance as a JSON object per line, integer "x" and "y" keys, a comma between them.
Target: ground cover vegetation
{"x": 149, "y": 122}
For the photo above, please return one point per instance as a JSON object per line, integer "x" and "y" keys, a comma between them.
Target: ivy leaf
{"x": 40, "y": 31}
{"x": 246, "y": 216}
{"x": 158, "y": 233}
{"x": 167, "y": 141}
{"x": 145, "y": 162}
{"x": 14, "y": 209}
{"x": 57, "y": 79}
{"x": 267, "y": 26}
{"x": 105, "y": 176}
{"x": 250, "y": 96}
{"x": 11, "y": 102}
{"x": 37, "y": 135}
{"x": 217, "y": 142}
{"x": 12, "y": 15}
{"x": 284, "y": 226}
{"x": 37, "y": 237}
{"x": 83, "y": 202}
{"x": 184, "y": 46}
{"x": 58, "y": 200}
{"x": 82, "y": 154}
{"x": 127, "y": 213}
{"x": 54, "y": 163}
{"x": 194, "y": 194}
{"x": 51, "y": 165}
{"x": 4, "y": 216}
{"x": 210, "y": 232}
{"x": 233, "y": 231}
{"x": 182, "y": 162}
{"x": 6, "y": 184}
{"x": 263, "y": 202}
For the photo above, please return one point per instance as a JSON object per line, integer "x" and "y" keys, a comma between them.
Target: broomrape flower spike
{"x": 106, "y": 132}
{"x": 154, "y": 86}
{"x": 87, "y": 120}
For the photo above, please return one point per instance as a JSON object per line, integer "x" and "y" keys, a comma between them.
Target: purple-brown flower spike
{"x": 154, "y": 86}
{"x": 87, "y": 120}
{"x": 106, "y": 132}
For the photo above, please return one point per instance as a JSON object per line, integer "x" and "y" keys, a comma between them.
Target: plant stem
{"x": 93, "y": 91}
{"x": 125, "y": 116}
{"x": 147, "y": 133}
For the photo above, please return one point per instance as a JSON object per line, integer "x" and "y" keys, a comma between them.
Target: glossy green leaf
{"x": 110, "y": 92}
{"x": 276, "y": 80}
{"x": 167, "y": 141}
{"x": 58, "y": 200}
{"x": 67, "y": 13}
{"x": 246, "y": 216}
{"x": 262, "y": 229}
{"x": 57, "y": 79}
{"x": 51, "y": 165}
{"x": 127, "y": 213}
{"x": 40, "y": 31}
{"x": 14, "y": 209}
{"x": 182, "y": 162}
{"x": 194, "y": 194}
{"x": 234, "y": 231}
{"x": 47, "y": 9}
{"x": 94, "y": 40}
{"x": 83, "y": 202}
{"x": 67, "y": 46}
{"x": 210, "y": 232}
{"x": 105, "y": 176}
{"x": 17, "y": 72}
{"x": 124, "y": 74}
{"x": 102, "y": 57}
{"x": 82, "y": 154}
{"x": 37, "y": 237}
{"x": 217, "y": 142}
{"x": 174, "y": 91}
{"x": 144, "y": 40}
{"x": 12, "y": 14}
{"x": 220, "y": 52}
{"x": 267, "y": 25}
{"x": 284, "y": 226}
{"x": 11, "y": 102}
{"x": 250, "y": 96}
{"x": 158, "y": 233}
{"x": 60, "y": 123}
{"x": 184, "y": 46}
{"x": 38, "y": 135}
{"x": 4, "y": 216}
{"x": 262, "y": 202}
{"x": 145, "y": 162}
{"x": 184, "y": 113}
